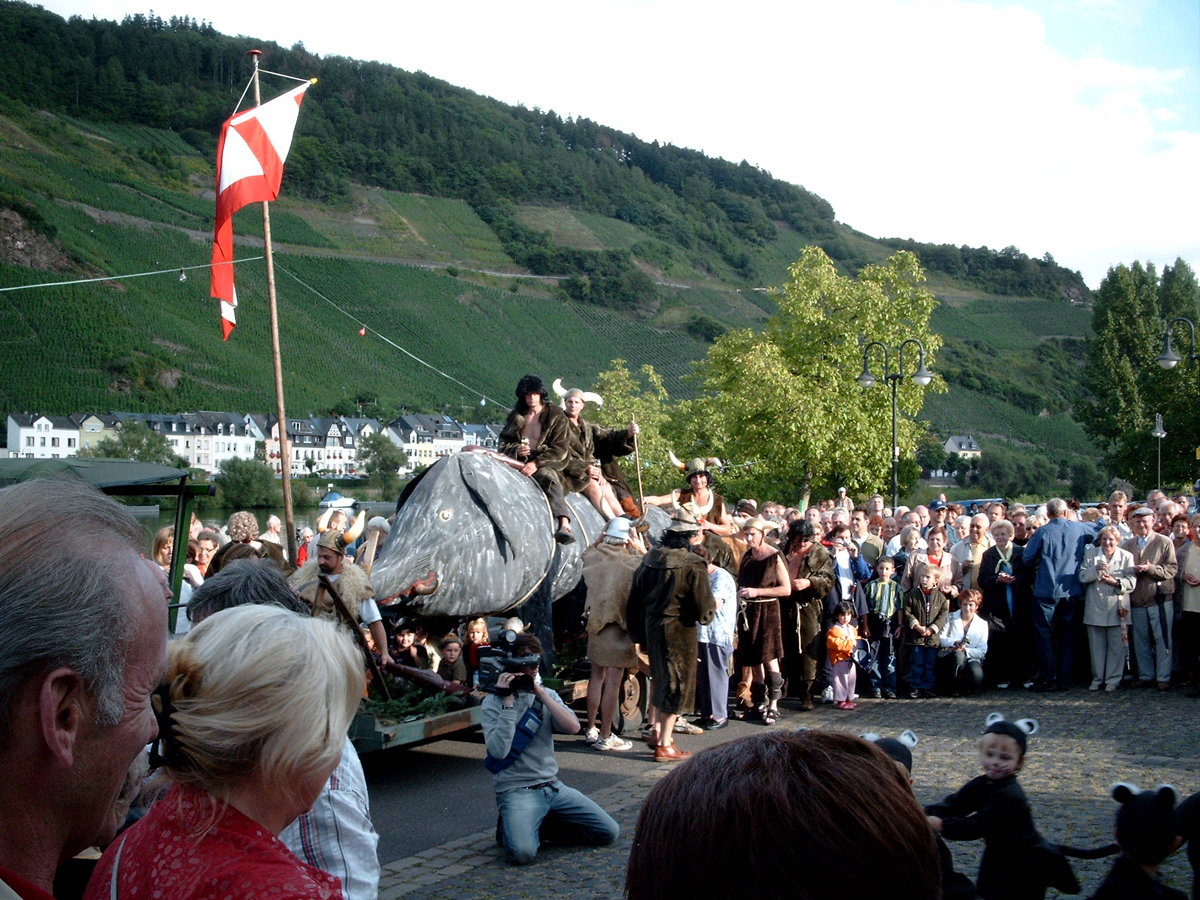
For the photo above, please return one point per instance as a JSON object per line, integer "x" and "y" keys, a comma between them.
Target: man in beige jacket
{"x": 1151, "y": 600}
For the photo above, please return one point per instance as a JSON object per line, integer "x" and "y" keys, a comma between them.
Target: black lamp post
{"x": 1169, "y": 359}
{"x": 1159, "y": 433}
{"x": 920, "y": 377}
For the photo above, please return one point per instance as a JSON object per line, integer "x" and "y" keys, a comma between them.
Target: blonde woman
{"x": 255, "y": 710}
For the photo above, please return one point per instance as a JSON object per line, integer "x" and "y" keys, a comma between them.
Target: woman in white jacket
{"x": 1109, "y": 575}
{"x": 964, "y": 644}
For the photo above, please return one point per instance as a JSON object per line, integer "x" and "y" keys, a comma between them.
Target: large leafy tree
{"x": 788, "y": 396}
{"x": 382, "y": 461}
{"x": 643, "y": 398}
{"x": 137, "y": 441}
{"x": 247, "y": 484}
{"x": 1126, "y": 388}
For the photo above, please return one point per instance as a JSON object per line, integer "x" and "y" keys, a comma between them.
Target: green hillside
{"x": 485, "y": 239}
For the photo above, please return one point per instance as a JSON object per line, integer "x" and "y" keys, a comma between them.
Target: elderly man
{"x": 969, "y": 552}
{"x": 1057, "y": 548}
{"x": 1151, "y": 600}
{"x": 336, "y": 835}
{"x": 83, "y": 643}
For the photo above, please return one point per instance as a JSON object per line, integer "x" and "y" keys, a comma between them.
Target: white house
{"x": 42, "y": 437}
{"x": 964, "y": 445}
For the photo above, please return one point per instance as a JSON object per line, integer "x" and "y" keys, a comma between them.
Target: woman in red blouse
{"x": 259, "y": 700}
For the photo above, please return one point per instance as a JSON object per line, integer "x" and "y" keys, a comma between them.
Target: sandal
{"x": 770, "y": 716}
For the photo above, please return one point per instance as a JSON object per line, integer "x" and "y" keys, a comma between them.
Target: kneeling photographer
{"x": 519, "y": 716}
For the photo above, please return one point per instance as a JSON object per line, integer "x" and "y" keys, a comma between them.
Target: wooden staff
{"x": 343, "y": 612}
{"x": 372, "y": 544}
{"x": 637, "y": 461}
{"x": 285, "y": 467}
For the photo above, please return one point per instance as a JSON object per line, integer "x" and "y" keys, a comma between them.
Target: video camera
{"x": 498, "y": 659}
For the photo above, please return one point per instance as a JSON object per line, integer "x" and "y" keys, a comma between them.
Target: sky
{"x": 1069, "y": 127}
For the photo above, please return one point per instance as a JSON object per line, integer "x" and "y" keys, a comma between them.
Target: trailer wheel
{"x": 629, "y": 709}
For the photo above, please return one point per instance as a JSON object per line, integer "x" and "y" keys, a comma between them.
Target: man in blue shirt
{"x": 1057, "y": 550}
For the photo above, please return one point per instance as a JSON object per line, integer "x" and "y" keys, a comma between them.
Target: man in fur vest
{"x": 352, "y": 585}
{"x": 537, "y": 435}
{"x": 671, "y": 595}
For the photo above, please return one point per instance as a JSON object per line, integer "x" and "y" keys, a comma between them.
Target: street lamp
{"x": 920, "y": 377}
{"x": 1169, "y": 359}
{"x": 1160, "y": 434}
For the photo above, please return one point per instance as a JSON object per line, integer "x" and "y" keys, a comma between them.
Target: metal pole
{"x": 284, "y": 451}
{"x": 895, "y": 451}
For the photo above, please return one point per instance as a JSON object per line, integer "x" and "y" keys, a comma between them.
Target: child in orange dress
{"x": 840, "y": 642}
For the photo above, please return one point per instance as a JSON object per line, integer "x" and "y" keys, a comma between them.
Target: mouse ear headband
{"x": 1019, "y": 730}
{"x": 899, "y": 749}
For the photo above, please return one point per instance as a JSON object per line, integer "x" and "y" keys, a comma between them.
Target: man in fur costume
{"x": 671, "y": 595}
{"x": 810, "y": 568}
{"x": 590, "y": 442}
{"x": 537, "y": 434}
{"x": 608, "y": 569}
{"x": 352, "y": 585}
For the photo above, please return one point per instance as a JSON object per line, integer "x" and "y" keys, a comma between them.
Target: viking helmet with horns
{"x": 586, "y": 396}
{"x": 697, "y": 464}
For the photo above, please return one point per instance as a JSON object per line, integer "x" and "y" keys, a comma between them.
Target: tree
{"x": 641, "y": 397}
{"x": 789, "y": 397}
{"x": 135, "y": 440}
{"x": 1126, "y": 388}
{"x": 382, "y": 461}
{"x": 247, "y": 484}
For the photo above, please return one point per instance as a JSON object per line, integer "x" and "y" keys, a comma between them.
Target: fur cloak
{"x": 671, "y": 594}
{"x": 353, "y": 585}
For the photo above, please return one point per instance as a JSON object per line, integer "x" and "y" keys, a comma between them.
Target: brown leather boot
{"x": 806, "y": 701}
{"x": 744, "y": 699}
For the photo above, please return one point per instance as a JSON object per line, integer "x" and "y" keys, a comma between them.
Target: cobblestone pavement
{"x": 1086, "y": 743}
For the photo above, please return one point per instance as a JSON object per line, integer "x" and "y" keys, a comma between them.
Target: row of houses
{"x": 207, "y": 439}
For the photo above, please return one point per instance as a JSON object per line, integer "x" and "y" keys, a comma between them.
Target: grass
{"x": 962, "y": 411}
{"x": 1011, "y": 324}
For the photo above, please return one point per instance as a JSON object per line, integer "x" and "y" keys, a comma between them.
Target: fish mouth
{"x": 421, "y": 587}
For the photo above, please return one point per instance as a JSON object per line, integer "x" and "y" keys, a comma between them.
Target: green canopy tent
{"x": 123, "y": 478}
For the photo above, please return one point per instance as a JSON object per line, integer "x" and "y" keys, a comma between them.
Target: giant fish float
{"x": 474, "y": 537}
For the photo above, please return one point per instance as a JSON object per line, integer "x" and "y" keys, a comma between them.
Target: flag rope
{"x": 171, "y": 271}
{"x": 482, "y": 396}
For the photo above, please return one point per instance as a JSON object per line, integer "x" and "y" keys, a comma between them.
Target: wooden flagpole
{"x": 285, "y": 461}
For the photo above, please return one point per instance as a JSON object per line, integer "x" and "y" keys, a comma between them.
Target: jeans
{"x": 572, "y": 816}
{"x": 882, "y": 673}
{"x": 1152, "y": 641}
{"x": 922, "y": 662}
{"x": 1047, "y": 611}
{"x": 712, "y": 681}
{"x": 960, "y": 674}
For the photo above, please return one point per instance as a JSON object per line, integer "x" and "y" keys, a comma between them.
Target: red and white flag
{"x": 250, "y": 157}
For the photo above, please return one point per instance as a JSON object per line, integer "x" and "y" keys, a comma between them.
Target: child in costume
{"x": 1018, "y": 863}
{"x": 955, "y": 885}
{"x": 452, "y": 667}
{"x": 1146, "y": 832}
{"x": 840, "y": 643}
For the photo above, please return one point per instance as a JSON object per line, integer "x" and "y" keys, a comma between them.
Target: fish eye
{"x": 446, "y": 514}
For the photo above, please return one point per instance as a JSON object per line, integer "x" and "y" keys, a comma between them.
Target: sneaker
{"x": 612, "y": 742}
{"x": 876, "y": 695}
{"x": 593, "y": 735}
{"x": 1095, "y": 685}
{"x": 1003, "y": 686}
{"x": 682, "y": 726}
{"x": 827, "y": 695}
{"x": 889, "y": 695}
